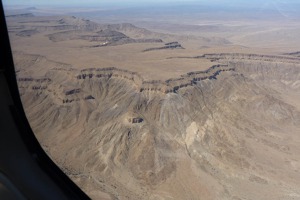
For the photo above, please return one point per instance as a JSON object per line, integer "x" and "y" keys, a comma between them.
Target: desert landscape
{"x": 157, "y": 103}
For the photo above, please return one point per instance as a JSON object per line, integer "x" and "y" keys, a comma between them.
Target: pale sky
{"x": 257, "y": 4}
{"x": 87, "y": 2}
{"x": 139, "y": 2}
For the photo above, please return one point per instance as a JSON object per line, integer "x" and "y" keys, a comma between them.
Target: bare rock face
{"x": 169, "y": 45}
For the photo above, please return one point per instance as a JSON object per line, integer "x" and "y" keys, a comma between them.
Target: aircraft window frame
{"x": 38, "y": 155}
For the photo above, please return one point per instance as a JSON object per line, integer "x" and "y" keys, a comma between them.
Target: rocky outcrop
{"x": 89, "y": 97}
{"x": 241, "y": 56}
{"x": 64, "y": 101}
{"x": 74, "y": 91}
{"x": 39, "y": 87}
{"x": 36, "y": 85}
{"x": 253, "y": 57}
{"x": 76, "y": 99}
{"x": 168, "y": 86}
{"x": 135, "y": 120}
{"x": 25, "y": 79}
{"x": 109, "y": 73}
{"x": 170, "y": 45}
{"x": 37, "y": 80}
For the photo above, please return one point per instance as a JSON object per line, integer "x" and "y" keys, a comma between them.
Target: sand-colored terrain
{"x": 129, "y": 113}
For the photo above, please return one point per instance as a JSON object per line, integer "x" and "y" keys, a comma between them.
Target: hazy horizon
{"x": 120, "y": 3}
{"x": 276, "y": 9}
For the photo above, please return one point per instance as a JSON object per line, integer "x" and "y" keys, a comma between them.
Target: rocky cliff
{"x": 169, "y": 45}
{"x": 206, "y": 134}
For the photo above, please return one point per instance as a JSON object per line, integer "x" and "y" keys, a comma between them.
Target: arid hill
{"x": 73, "y": 28}
{"x": 231, "y": 132}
